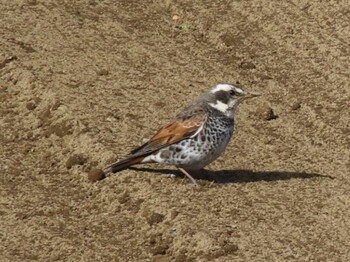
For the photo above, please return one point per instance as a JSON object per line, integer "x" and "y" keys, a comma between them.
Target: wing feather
{"x": 170, "y": 134}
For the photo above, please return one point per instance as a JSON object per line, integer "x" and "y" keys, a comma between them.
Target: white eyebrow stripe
{"x": 224, "y": 87}
{"x": 222, "y": 107}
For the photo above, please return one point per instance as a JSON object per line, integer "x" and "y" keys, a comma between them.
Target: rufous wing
{"x": 170, "y": 134}
{"x": 174, "y": 132}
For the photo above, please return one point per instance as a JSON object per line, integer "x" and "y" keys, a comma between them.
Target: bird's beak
{"x": 247, "y": 95}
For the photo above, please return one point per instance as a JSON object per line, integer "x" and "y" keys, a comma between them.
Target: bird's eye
{"x": 232, "y": 92}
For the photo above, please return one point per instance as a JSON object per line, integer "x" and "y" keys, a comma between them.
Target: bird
{"x": 196, "y": 136}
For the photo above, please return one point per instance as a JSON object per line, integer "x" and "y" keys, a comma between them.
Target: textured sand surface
{"x": 83, "y": 82}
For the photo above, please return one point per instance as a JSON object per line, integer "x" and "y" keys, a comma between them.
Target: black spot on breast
{"x": 222, "y": 96}
{"x": 175, "y": 148}
{"x": 165, "y": 154}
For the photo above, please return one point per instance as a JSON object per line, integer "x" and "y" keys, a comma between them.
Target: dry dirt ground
{"x": 83, "y": 82}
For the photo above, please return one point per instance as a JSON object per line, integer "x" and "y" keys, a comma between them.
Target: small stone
{"x": 96, "y": 174}
{"x": 230, "y": 40}
{"x": 32, "y": 2}
{"x": 230, "y": 248}
{"x": 247, "y": 65}
{"x": 73, "y": 160}
{"x": 61, "y": 129}
{"x": 154, "y": 218}
{"x": 45, "y": 114}
{"x": 175, "y": 17}
{"x": 266, "y": 113}
{"x": 173, "y": 214}
{"x": 295, "y": 106}
{"x": 181, "y": 258}
{"x": 160, "y": 104}
{"x": 30, "y": 106}
{"x": 159, "y": 250}
{"x": 92, "y": 2}
{"x": 102, "y": 72}
{"x": 152, "y": 239}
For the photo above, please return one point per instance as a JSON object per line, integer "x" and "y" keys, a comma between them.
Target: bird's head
{"x": 226, "y": 97}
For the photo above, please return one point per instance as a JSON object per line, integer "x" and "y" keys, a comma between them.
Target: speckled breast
{"x": 196, "y": 152}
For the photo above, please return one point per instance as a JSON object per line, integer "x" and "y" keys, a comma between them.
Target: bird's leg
{"x": 188, "y": 175}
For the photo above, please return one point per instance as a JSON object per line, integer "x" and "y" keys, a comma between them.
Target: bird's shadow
{"x": 237, "y": 176}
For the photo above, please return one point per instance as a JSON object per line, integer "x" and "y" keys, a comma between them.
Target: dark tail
{"x": 124, "y": 164}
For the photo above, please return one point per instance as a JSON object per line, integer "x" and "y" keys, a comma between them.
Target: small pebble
{"x": 266, "y": 113}
{"x": 96, "y": 174}
{"x": 32, "y": 2}
{"x": 154, "y": 218}
{"x": 295, "y": 106}
{"x": 173, "y": 214}
{"x": 75, "y": 160}
{"x": 247, "y": 65}
{"x": 30, "y": 106}
{"x": 102, "y": 72}
{"x": 159, "y": 250}
{"x": 175, "y": 17}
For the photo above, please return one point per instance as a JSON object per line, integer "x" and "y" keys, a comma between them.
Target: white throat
{"x": 222, "y": 107}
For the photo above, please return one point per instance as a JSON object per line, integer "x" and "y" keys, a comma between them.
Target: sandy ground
{"x": 83, "y": 82}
